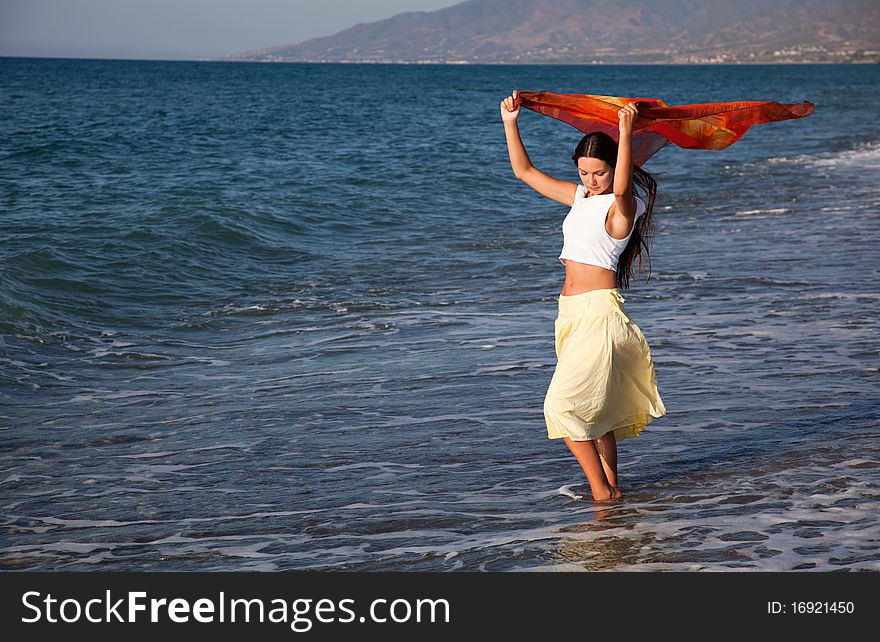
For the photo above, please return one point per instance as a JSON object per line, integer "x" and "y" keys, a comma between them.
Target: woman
{"x": 604, "y": 388}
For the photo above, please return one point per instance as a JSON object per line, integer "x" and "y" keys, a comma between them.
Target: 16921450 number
{"x": 822, "y": 607}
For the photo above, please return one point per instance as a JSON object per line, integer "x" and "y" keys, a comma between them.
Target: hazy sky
{"x": 180, "y": 29}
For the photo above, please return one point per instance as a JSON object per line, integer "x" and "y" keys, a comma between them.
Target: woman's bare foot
{"x": 612, "y": 494}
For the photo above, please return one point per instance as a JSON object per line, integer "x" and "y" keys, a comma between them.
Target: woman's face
{"x": 596, "y": 174}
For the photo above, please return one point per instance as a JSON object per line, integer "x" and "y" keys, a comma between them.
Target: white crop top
{"x": 585, "y": 238}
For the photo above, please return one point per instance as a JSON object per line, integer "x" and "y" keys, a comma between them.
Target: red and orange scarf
{"x": 701, "y": 126}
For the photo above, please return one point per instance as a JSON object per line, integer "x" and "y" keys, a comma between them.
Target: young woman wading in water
{"x": 604, "y": 388}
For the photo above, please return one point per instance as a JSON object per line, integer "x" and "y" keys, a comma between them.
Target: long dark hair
{"x": 602, "y": 146}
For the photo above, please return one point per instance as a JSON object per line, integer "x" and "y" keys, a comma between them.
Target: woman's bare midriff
{"x": 583, "y": 277}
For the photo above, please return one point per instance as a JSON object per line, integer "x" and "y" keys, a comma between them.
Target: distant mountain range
{"x": 605, "y": 31}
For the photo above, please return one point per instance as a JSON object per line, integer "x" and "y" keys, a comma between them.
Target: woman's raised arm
{"x": 520, "y": 162}
{"x": 623, "y": 196}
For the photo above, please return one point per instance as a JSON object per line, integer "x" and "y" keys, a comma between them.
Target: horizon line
{"x": 456, "y": 63}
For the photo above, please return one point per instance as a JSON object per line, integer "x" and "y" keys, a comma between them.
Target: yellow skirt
{"x": 604, "y": 378}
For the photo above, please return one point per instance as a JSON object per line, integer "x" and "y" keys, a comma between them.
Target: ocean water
{"x": 279, "y": 317}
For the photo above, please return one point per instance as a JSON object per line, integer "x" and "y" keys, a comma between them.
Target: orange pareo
{"x": 701, "y": 126}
